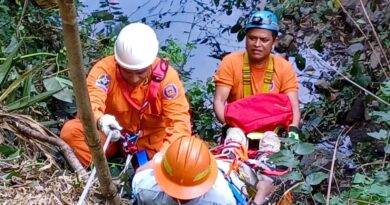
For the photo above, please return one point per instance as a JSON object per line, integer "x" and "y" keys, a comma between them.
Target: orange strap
{"x": 246, "y": 76}
{"x": 234, "y": 166}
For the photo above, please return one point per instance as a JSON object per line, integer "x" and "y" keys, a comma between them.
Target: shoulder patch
{"x": 103, "y": 81}
{"x": 170, "y": 91}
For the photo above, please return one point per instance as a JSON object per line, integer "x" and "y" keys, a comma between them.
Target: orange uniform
{"x": 171, "y": 121}
{"x": 229, "y": 74}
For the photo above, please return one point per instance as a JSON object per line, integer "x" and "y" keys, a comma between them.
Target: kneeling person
{"x": 186, "y": 173}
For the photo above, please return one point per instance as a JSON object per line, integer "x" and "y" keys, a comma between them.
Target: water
{"x": 187, "y": 25}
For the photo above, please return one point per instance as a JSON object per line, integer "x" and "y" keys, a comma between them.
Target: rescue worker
{"x": 187, "y": 173}
{"x": 261, "y": 34}
{"x": 120, "y": 87}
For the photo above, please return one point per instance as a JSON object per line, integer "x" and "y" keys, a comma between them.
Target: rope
{"x": 93, "y": 173}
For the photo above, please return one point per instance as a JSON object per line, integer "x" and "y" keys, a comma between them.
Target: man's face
{"x": 259, "y": 44}
{"x": 135, "y": 77}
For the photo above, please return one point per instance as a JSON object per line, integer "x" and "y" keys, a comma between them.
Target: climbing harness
{"x": 246, "y": 76}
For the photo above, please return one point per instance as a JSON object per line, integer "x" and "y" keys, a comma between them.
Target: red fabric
{"x": 158, "y": 75}
{"x": 262, "y": 112}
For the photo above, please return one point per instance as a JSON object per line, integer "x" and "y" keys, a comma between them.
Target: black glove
{"x": 294, "y": 132}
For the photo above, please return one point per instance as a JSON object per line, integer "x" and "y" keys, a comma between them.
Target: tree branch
{"x": 72, "y": 43}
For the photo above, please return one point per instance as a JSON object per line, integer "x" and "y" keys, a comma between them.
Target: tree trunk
{"x": 77, "y": 74}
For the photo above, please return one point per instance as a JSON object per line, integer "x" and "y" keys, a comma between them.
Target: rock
{"x": 349, "y": 4}
{"x": 309, "y": 39}
{"x": 362, "y": 57}
{"x": 355, "y": 48}
{"x": 322, "y": 84}
{"x": 359, "y": 135}
{"x": 315, "y": 161}
{"x": 356, "y": 114}
{"x": 300, "y": 34}
{"x": 378, "y": 17}
{"x": 284, "y": 43}
{"x": 375, "y": 57}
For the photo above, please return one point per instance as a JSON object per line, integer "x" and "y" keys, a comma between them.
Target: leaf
{"x": 359, "y": 179}
{"x": 14, "y": 155}
{"x": 385, "y": 88}
{"x": 305, "y": 188}
{"x": 319, "y": 198}
{"x": 363, "y": 80}
{"x": 284, "y": 158}
{"x": 6, "y": 150}
{"x": 294, "y": 176}
{"x": 356, "y": 40}
{"x": 236, "y": 28}
{"x": 57, "y": 83}
{"x": 336, "y": 200}
{"x": 357, "y": 69}
{"x": 379, "y": 190}
{"x": 6, "y": 66}
{"x": 8, "y": 175}
{"x": 103, "y": 15}
{"x": 316, "y": 178}
{"x": 381, "y": 176}
{"x": 22, "y": 103}
{"x": 383, "y": 116}
{"x": 382, "y": 134}
{"x": 241, "y": 35}
{"x": 361, "y": 21}
{"x": 318, "y": 46}
{"x": 303, "y": 148}
{"x": 16, "y": 83}
{"x": 27, "y": 84}
{"x": 117, "y": 12}
{"x": 12, "y": 46}
{"x": 229, "y": 12}
{"x": 300, "y": 61}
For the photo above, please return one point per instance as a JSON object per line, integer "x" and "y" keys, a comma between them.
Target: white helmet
{"x": 136, "y": 46}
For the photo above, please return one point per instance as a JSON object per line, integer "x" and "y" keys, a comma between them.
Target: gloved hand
{"x": 294, "y": 132}
{"x": 107, "y": 123}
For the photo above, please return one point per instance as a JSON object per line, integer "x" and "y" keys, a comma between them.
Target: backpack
{"x": 261, "y": 112}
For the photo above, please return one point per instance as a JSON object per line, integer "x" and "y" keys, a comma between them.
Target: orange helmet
{"x": 187, "y": 169}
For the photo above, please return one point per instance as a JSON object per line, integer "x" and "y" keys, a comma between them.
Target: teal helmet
{"x": 263, "y": 20}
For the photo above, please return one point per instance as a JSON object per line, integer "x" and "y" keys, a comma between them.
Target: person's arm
{"x": 264, "y": 188}
{"x": 224, "y": 82}
{"x": 290, "y": 88}
{"x": 175, "y": 109}
{"x": 148, "y": 165}
{"x": 98, "y": 82}
{"x": 293, "y": 96}
{"x": 220, "y": 97}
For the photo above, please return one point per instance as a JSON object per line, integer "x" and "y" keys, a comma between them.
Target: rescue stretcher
{"x": 249, "y": 165}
